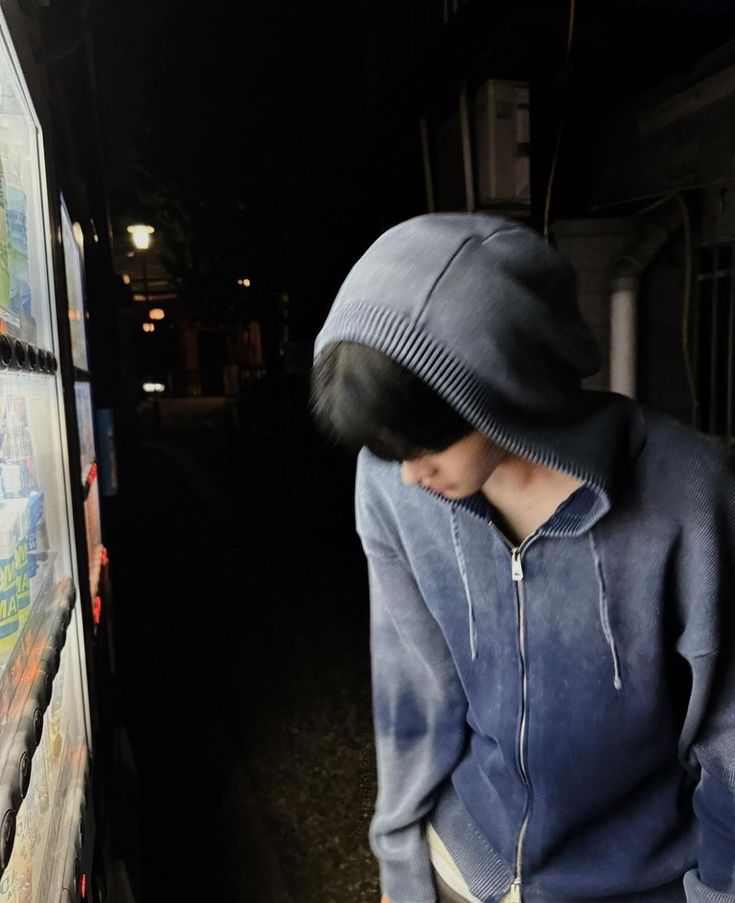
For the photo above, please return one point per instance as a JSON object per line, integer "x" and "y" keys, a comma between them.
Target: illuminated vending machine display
{"x": 44, "y": 706}
{"x": 73, "y": 245}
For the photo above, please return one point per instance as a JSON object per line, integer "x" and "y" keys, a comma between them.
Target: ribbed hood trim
{"x": 409, "y": 344}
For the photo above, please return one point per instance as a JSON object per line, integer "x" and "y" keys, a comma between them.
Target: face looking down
{"x": 458, "y": 471}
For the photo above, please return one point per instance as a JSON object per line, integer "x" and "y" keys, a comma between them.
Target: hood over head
{"x": 484, "y": 311}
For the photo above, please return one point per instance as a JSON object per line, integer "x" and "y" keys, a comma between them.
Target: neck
{"x": 524, "y": 495}
{"x": 519, "y": 481}
{"x": 515, "y": 474}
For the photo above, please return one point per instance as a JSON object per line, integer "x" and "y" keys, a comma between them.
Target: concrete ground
{"x": 241, "y": 629}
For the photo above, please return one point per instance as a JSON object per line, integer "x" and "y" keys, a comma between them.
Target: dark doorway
{"x": 212, "y": 359}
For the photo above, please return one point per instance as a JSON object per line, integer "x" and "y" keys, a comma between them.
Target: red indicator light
{"x": 97, "y": 609}
{"x": 104, "y": 557}
{"x": 92, "y": 474}
{"x": 83, "y": 886}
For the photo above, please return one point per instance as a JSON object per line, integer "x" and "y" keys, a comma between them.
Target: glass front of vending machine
{"x": 44, "y": 706}
{"x": 73, "y": 245}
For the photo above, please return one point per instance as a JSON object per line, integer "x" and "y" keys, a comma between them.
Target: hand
{"x": 385, "y": 899}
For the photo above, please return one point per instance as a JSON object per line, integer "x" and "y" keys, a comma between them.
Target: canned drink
{"x": 9, "y": 540}
{"x": 22, "y": 582}
{"x": 37, "y": 537}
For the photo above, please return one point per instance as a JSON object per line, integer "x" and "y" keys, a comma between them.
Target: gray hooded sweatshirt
{"x": 561, "y": 710}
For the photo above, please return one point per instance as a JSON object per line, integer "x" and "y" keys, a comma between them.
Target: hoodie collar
{"x": 574, "y": 516}
{"x": 601, "y": 451}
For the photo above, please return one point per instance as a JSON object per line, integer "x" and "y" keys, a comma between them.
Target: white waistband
{"x": 442, "y": 861}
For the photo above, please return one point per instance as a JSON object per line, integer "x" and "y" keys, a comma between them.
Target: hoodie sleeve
{"x": 419, "y": 712}
{"x": 711, "y": 718}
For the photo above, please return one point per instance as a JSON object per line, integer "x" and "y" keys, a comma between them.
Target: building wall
{"x": 678, "y": 138}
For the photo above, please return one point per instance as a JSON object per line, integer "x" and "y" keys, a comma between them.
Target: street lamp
{"x": 141, "y": 236}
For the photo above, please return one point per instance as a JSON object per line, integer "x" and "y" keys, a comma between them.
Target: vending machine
{"x": 45, "y": 730}
{"x": 97, "y": 557}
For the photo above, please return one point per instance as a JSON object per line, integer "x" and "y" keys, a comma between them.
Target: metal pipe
{"x": 623, "y": 336}
{"x": 712, "y": 417}
{"x": 730, "y": 348}
{"x": 624, "y": 290}
{"x": 469, "y": 177}
{"x": 426, "y": 158}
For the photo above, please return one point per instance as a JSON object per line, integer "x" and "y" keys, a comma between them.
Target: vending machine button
{"x": 7, "y": 836}
{"x": 51, "y": 657}
{"x": 24, "y": 773}
{"x": 6, "y": 351}
{"x": 46, "y": 685}
{"x": 37, "y": 723}
{"x": 31, "y": 723}
{"x": 21, "y": 355}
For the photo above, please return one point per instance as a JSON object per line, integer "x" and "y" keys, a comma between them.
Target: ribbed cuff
{"x": 697, "y": 892}
{"x": 409, "y": 881}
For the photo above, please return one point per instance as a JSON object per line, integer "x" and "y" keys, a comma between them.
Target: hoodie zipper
{"x": 517, "y": 577}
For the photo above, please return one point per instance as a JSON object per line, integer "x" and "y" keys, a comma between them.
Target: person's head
{"x": 482, "y": 314}
{"x": 363, "y": 398}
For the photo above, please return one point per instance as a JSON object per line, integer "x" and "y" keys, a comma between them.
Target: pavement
{"x": 242, "y": 655}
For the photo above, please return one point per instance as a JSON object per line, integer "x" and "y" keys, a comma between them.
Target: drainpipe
{"x": 624, "y": 288}
{"x": 426, "y": 159}
{"x": 469, "y": 179}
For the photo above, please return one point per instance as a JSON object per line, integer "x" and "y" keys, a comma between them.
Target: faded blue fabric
{"x": 627, "y": 600}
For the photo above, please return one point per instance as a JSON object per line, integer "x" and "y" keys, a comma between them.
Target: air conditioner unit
{"x": 501, "y": 137}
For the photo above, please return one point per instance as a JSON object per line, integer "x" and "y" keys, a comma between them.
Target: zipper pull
{"x": 514, "y": 895}
{"x": 516, "y": 567}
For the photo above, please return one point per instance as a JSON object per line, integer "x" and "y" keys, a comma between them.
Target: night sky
{"x": 242, "y": 134}
{"x": 248, "y": 134}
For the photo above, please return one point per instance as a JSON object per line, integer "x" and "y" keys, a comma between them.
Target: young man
{"x": 551, "y": 584}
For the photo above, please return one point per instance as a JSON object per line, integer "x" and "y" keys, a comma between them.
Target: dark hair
{"x": 362, "y": 397}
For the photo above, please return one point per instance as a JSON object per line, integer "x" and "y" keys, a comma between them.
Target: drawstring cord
{"x": 603, "y": 600}
{"x": 604, "y": 613}
{"x": 463, "y": 571}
